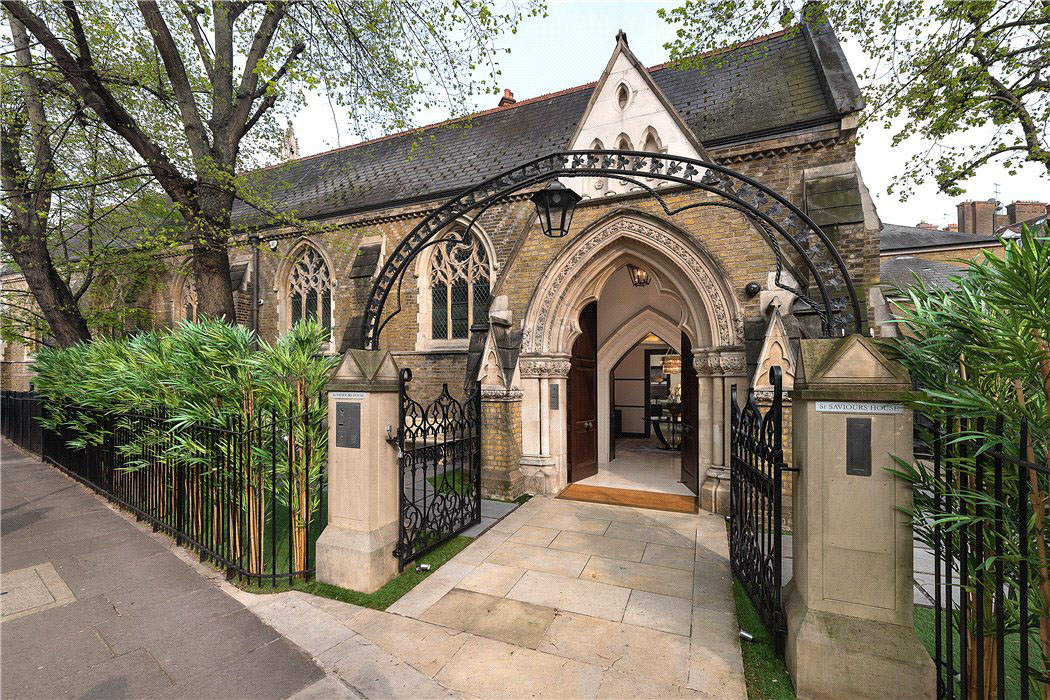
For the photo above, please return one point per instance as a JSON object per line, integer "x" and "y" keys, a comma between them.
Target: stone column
{"x": 703, "y": 380}
{"x": 356, "y": 549}
{"x": 543, "y": 459}
{"x": 726, "y": 367}
{"x": 849, "y": 603}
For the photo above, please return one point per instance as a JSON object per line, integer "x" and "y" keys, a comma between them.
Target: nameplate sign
{"x": 859, "y": 407}
{"x": 352, "y": 395}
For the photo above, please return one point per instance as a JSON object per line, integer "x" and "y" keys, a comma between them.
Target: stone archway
{"x": 711, "y": 319}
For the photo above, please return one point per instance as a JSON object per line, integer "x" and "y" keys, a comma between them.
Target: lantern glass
{"x": 555, "y": 205}
{"x": 639, "y": 277}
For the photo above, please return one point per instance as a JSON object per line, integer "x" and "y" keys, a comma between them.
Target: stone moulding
{"x": 544, "y": 367}
{"x": 541, "y": 326}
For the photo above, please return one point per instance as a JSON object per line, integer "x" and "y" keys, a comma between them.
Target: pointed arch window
{"x": 459, "y": 289}
{"x": 310, "y": 289}
{"x": 651, "y": 141}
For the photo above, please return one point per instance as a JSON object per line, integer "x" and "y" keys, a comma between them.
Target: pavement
{"x": 94, "y": 605}
{"x": 558, "y": 599}
{"x": 554, "y": 599}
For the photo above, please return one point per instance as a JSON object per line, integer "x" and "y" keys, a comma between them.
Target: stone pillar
{"x": 356, "y": 549}
{"x": 703, "y": 394}
{"x": 726, "y": 367}
{"x": 849, "y": 603}
{"x": 543, "y": 460}
{"x": 501, "y": 443}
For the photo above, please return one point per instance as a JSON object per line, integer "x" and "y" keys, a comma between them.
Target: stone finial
{"x": 621, "y": 36}
{"x": 290, "y": 144}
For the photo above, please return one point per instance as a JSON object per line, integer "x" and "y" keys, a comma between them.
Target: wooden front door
{"x": 690, "y": 419}
{"x": 583, "y": 398}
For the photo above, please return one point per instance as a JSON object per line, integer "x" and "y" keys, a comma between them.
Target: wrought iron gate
{"x": 439, "y": 458}
{"x": 755, "y": 510}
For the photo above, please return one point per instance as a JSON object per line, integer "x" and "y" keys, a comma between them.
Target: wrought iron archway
{"x": 772, "y": 214}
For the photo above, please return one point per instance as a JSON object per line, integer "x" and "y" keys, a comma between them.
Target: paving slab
{"x": 330, "y": 687}
{"x": 425, "y": 647}
{"x": 645, "y": 577}
{"x": 572, "y": 594}
{"x": 538, "y": 536}
{"x": 494, "y": 617}
{"x": 491, "y": 669}
{"x": 310, "y": 628}
{"x": 659, "y": 612}
{"x": 638, "y": 651}
{"x": 533, "y": 558}
{"x": 570, "y": 522}
{"x": 375, "y": 673}
{"x": 418, "y": 600}
{"x": 493, "y": 579}
{"x": 672, "y": 557}
{"x": 133, "y": 675}
{"x": 626, "y": 686}
{"x": 610, "y": 547}
{"x": 656, "y": 534}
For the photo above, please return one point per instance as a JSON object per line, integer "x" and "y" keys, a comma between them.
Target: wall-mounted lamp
{"x": 639, "y": 277}
{"x": 752, "y": 289}
{"x": 273, "y": 243}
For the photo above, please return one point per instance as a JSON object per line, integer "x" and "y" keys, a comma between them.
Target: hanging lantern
{"x": 555, "y": 205}
{"x": 639, "y": 277}
{"x": 672, "y": 363}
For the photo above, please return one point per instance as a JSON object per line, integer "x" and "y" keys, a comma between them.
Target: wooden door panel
{"x": 690, "y": 419}
{"x": 583, "y": 398}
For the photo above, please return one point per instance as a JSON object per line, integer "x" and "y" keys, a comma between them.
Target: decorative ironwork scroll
{"x": 781, "y": 222}
{"x": 439, "y": 449}
{"x": 756, "y": 473}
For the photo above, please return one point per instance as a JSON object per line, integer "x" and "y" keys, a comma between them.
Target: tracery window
{"x": 459, "y": 289}
{"x": 310, "y": 289}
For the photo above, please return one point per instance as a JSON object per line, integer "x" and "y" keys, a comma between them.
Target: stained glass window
{"x": 459, "y": 289}
{"x": 310, "y": 289}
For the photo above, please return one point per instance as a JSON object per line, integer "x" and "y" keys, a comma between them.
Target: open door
{"x": 690, "y": 419}
{"x": 583, "y": 398}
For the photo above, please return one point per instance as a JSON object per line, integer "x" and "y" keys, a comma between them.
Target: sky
{"x": 572, "y": 46}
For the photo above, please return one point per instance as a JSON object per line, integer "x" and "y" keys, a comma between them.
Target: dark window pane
{"x": 311, "y": 304}
{"x": 296, "y": 304}
{"x": 460, "y": 309}
{"x": 439, "y": 312}
{"x": 481, "y": 300}
{"x": 326, "y": 309}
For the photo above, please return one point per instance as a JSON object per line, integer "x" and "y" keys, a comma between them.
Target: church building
{"x": 608, "y": 356}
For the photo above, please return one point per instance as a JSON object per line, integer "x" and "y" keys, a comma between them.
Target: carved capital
{"x": 544, "y": 367}
{"x": 733, "y": 363}
{"x": 500, "y": 395}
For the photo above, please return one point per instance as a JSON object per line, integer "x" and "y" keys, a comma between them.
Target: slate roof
{"x": 773, "y": 85}
{"x": 896, "y": 237}
{"x": 900, "y": 272}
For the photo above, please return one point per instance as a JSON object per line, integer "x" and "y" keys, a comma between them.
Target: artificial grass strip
{"x": 388, "y": 594}
{"x": 764, "y": 671}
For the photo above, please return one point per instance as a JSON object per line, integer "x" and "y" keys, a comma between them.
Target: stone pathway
{"x": 96, "y": 606}
{"x": 558, "y": 599}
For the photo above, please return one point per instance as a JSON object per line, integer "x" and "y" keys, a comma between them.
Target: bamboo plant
{"x": 980, "y": 349}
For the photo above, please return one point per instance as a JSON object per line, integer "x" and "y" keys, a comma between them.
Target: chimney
{"x": 927, "y": 226}
{"x": 952, "y": 227}
{"x": 1021, "y": 211}
{"x": 977, "y": 217}
{"x": 507, "y": 99}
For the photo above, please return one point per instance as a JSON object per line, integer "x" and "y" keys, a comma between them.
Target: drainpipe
{"x": 254, "y": 240}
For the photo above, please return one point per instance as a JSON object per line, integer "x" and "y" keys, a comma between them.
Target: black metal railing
{"x": 756, "y": 482}
{"x": 20, "y": 419}
{"x": 439, "y": 457}
{"x": 975, "y": 511}
{"x": 248, "y": 495}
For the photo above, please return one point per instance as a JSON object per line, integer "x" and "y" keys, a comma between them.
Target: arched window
{"x": 310, "y": 289}
{"x": 623, "y": 143}
{"x": 651, "y": 141}
{"x": 459, "y": 289}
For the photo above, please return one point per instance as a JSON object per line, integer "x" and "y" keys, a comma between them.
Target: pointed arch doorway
{"x": 689, "y": 296}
